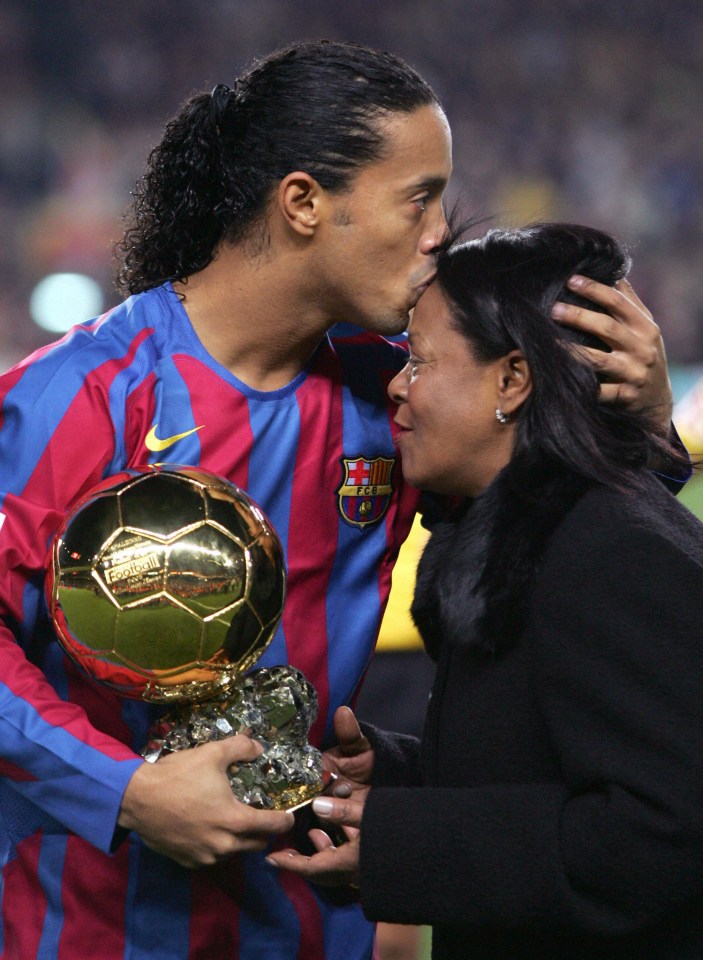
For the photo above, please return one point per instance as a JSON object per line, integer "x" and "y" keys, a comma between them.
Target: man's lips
{"x": 421, "y": 287}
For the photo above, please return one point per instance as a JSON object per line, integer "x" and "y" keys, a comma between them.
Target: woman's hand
{"x": 353, "y": 758}
{"x": 332, "y": 865}
{"x": 634, "y": 372}
{"x": 352, "y": 761}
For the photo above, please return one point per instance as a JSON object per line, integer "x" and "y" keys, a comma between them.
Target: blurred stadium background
{"x": 579, "y": 109}
{"x": 585, "y": 110}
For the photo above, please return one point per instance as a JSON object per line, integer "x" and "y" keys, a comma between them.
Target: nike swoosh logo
{"x": 153, "y": 443}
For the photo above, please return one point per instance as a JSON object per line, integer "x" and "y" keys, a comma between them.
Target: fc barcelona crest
{"x": 366, "y": 489}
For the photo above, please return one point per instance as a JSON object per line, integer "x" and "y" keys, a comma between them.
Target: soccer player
{"x": 306, "y": 195}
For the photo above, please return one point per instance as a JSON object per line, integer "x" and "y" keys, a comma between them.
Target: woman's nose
{"x": 397, "y": 388}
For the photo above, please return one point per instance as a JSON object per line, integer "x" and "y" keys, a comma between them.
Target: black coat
{"x": 556, "y": 807}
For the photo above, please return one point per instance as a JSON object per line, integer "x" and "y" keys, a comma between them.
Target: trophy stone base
{"x": 274, "y": 705}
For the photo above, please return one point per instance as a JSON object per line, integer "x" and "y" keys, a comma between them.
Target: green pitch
{"x": 692, "y": 495}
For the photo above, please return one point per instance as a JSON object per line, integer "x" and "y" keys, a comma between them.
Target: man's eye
{"x": 413, "y": 368}
{"x": 421, "y": 202}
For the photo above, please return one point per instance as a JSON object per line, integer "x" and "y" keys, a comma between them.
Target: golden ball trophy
{"x": 166, "y": 583}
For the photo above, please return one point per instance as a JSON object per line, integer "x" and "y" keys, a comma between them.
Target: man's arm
{"x": 59, "y": 765}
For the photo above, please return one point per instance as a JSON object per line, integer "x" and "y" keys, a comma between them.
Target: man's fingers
{"x": 625, "y": 311}
{"x": 628, "y": 291}
{"x": 602, "y": 325}
{"x": 614, "y": 366}
{"x": 252, "y": 826}
{"x": 239, "y": 747}
{"x": 616, "y": 300}
{"x": 621, "y": 393}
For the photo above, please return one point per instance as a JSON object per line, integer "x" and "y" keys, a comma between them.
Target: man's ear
{"x": 514, "y": 381}
{"x": 300, "y": 198}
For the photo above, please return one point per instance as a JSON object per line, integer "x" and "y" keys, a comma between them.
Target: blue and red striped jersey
{"x": 133, "y": 387}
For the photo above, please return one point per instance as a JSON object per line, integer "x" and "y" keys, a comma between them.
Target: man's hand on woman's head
{"x": 634, "y": 373}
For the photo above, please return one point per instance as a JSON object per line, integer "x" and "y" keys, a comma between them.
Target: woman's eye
{"x": 421, "y": 202}
{"x": 413, "y": 368}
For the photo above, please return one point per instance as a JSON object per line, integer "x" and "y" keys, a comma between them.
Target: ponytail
{"x": 182, "y": 196}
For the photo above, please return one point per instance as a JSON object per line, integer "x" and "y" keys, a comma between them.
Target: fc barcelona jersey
{"x": 134, "y": 387}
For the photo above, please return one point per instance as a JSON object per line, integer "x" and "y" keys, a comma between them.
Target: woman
{"x": 555, "y": 808}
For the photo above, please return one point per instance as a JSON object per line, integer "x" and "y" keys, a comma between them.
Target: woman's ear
{"x": 514, "y": 382}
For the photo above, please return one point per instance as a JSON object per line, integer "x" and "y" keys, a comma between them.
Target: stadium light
{"x": 61, "y": 300}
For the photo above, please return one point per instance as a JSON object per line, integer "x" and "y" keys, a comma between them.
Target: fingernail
{"x": 271, "y": 863}
{"x": 558, "y": 310}
{"x": 322, "y": 806}
{"x": 576, "y": 280}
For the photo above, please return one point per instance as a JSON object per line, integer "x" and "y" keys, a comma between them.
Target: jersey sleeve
{"x": 56, "y": 438}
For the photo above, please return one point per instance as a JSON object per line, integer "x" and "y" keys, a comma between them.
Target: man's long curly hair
{"x": 313, "y": 106}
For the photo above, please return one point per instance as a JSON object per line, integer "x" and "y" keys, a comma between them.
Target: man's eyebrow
{"x": 433, "y": 184}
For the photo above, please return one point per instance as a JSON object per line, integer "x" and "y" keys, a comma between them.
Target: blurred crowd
{"x": 572, "y": 109}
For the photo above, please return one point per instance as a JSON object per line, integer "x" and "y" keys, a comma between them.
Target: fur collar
{"x": 475, "y": 577}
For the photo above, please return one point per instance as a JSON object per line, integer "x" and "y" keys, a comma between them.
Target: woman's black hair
{"x": 312, "y": 106}
{"x": 476, "y": 577}
{"x": 502, "y": 288}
